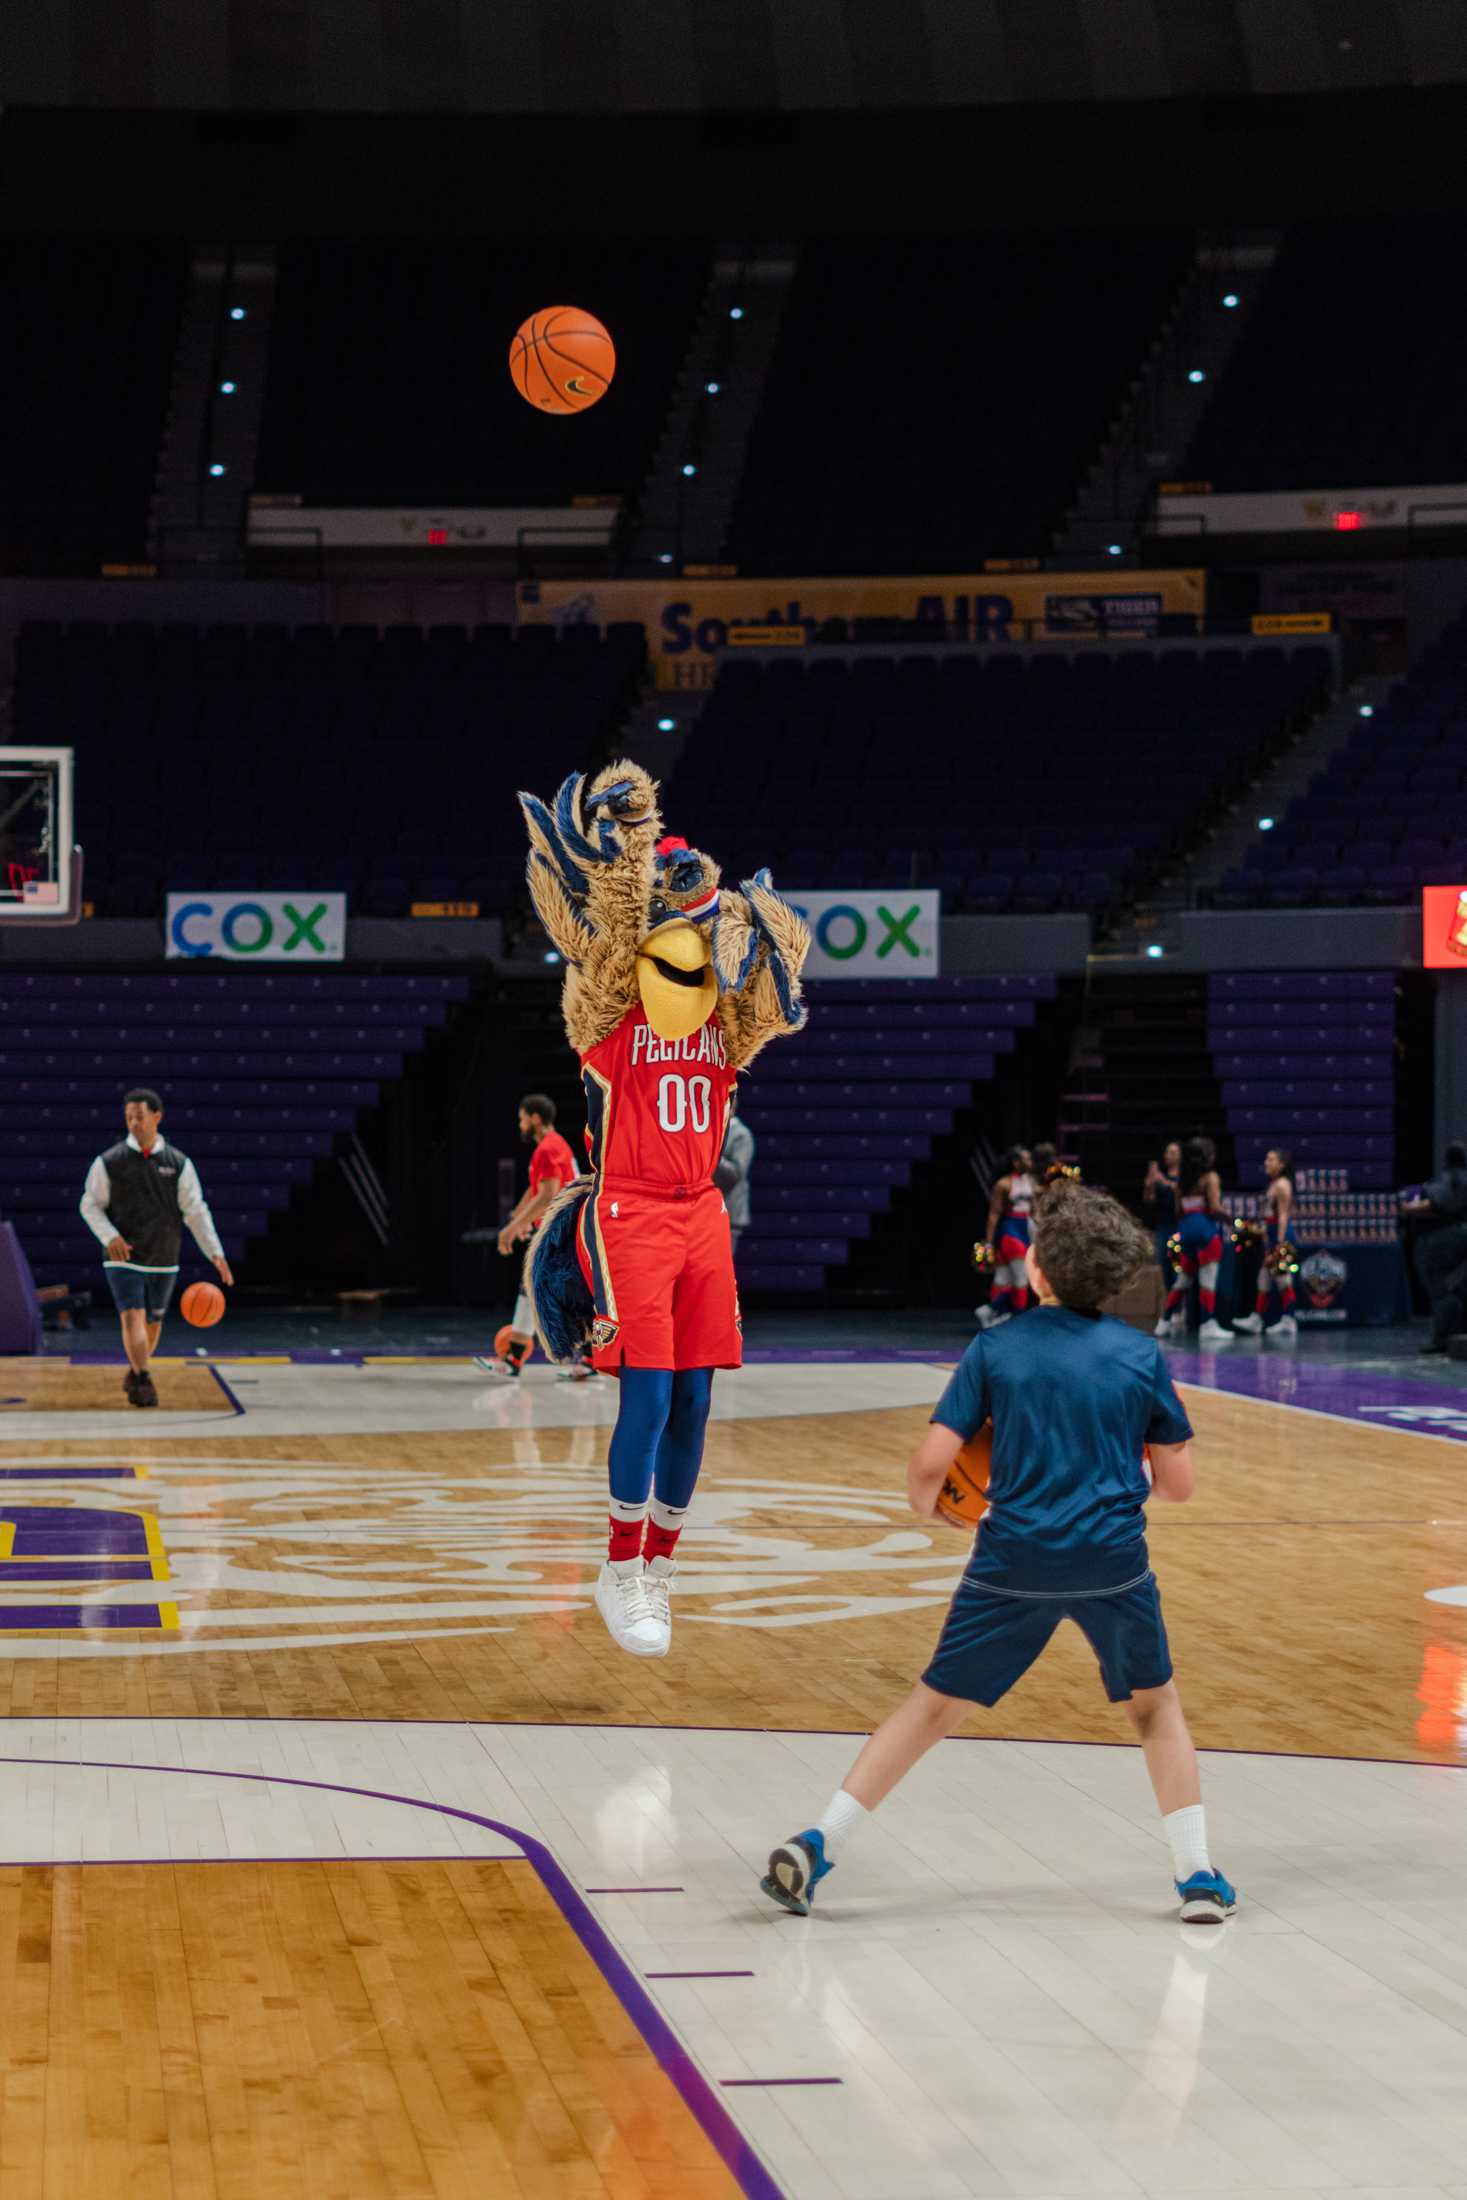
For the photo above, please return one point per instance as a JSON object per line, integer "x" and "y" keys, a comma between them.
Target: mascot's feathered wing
{"x": 643, "y": 923}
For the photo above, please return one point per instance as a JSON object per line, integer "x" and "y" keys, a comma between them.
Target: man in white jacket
{"x": 138, "y": 1196}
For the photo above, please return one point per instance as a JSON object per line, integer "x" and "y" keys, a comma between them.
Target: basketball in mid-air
{"x": 202, "y": 1304}
{"x": 562, "y": 360}
{"x": 963, "y": 1498}
{"x": 502, "y": 1340}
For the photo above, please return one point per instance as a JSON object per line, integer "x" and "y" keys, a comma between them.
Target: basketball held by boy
{"x": 1075, "y": 1399}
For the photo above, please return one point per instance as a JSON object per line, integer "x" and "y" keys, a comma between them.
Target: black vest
{"x": 144, "y": 1203}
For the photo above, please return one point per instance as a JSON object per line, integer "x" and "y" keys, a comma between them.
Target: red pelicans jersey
{"x": 656, "y": 1109}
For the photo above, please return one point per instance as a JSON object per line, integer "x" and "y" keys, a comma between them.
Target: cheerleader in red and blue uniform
{"x": 1200, "y": 1245}
{"x": 1009, "y": 1209}
{"x": 1278, "y": 1231}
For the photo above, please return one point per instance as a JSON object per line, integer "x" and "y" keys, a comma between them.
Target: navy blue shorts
{"x": 142, "y": 1290}
{"x": 990, "y": 1639}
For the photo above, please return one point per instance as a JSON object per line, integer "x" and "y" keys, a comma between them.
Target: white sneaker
{"x": 507, "y": 1370}
{"x": 577, "y": 1371}
{"x": 661, "y": 1574}
{"x": 987, "y": 1319}
{"x": 623, "y": 1602}
{"x": 1165, "y": 1327}
{"x": 1249, "y": 1324}
{"x": 1286, "y": 1326}
{"x": 1212, "y": 1332}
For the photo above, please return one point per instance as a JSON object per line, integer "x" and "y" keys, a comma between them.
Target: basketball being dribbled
{"x": 202, "y": 1304}
{"x": 963, "y": 1498}
{"x": 503, "y": 1338}
{"x": 562, "y": 360}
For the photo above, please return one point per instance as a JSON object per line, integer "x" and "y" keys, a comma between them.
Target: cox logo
{"x": 258, "y": 927}
{"x": 865, "y": 929}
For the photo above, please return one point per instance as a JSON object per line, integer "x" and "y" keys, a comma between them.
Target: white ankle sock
{"x": 839, "y": 1820}
{"x": 1187, "y": 1832}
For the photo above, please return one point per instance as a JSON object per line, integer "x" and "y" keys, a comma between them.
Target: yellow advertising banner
{"x": 1292, "y": 622}
{"x": 687, "y": 621}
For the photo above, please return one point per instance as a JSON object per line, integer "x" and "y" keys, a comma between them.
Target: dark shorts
{"x": 142, "y": 1290}
{"x": 990, "y": 1639}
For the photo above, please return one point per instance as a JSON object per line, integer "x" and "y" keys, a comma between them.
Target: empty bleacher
{"x": 382, "y": 766}
{"x": 1349, "y": 373}
{"x": 389, "y": 369}
{"x": 90, "y": 332}
{"x": 1306, "y": 1060}
{"x": 1011, "y": 781}
{"x": 1387, "y": 815}
{"x": 260, "y": 1074}
{"x": 843, "y": 1112}
{"x": 933, "y": 403}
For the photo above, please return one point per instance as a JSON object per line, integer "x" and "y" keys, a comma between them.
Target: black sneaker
{"x": 144, "y": 1393}
{"x": 129, "y": 1384}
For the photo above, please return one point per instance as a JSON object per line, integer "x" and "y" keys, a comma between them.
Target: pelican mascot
{"x": 672, "y": 986}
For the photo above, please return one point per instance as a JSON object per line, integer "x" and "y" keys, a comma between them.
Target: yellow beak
{"x": 675, "y": 979}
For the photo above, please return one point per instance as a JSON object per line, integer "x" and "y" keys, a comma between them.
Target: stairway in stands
{"x": 1143, "y": 1073}
{"x": 844, "y": 1113}
{"x": 260, "y": 1073}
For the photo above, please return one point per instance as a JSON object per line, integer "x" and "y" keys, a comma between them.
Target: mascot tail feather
{"x": 559, "y": 1299}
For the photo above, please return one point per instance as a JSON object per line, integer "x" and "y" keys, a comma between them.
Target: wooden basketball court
{"x": 342, "y": 1853}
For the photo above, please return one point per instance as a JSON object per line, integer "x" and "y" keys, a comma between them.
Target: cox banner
{"x": 687, "y": 621}
{"x": 296, "y": 928}
{"x": 865, "y": 934}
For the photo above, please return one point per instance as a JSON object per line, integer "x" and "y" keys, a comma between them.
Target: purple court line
{"x": 730, "y": 2083}
{"x": 701, "y": 2099}
{"x": 236, "y": 1404}
{"x": 64, "y": 1471}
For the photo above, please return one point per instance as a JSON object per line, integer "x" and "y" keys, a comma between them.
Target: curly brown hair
{"x": 1087, "y": 1245}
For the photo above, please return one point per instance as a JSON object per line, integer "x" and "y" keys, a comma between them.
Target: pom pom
{"x": 1282, "y": 1260}
{"x": 1246, "y": 1232}
{"x": 1174, "y": 1248}
{"x": 983, "y": 1258}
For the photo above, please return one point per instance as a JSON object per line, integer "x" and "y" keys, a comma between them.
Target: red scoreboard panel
{"x": 1444, "y": 927}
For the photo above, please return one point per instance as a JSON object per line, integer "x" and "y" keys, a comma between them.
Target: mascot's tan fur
{"x": 600, "y": 890}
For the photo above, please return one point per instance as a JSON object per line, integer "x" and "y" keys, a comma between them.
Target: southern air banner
{"x": 687, "y": 621}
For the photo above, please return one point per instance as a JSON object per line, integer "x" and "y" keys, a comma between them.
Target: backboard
{"x": 40, "y": 867}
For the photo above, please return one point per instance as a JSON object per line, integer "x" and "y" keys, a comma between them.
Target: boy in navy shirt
{"x": 1074, "y": 1398}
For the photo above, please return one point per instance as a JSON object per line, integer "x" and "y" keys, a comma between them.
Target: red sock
{"x": 626, "y": 1539}
{"x": 660, "y": 1543}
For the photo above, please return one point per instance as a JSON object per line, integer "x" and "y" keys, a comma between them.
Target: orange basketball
{"x": 502, "y": 1339}
{"x": 963, "y": 1498}
{"x": 202, "y": 1304}
{"x": 562, "y": 360}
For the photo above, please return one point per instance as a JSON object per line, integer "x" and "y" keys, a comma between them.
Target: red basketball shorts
{"x": 659, "y": 1263}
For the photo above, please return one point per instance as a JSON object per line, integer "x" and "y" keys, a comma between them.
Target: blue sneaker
{"x": 1206, "y": 1899}
{"x": 796, "y": 1869}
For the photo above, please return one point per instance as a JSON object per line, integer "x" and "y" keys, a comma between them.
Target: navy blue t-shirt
{"x": 1072, "y": 1398}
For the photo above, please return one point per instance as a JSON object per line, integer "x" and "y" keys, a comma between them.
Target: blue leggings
{"x": 657, "y": 1444}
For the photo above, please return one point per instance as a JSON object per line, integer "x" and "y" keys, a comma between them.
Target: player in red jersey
{"x": 552, "y": 1167}
{"x": 669, "y": 992}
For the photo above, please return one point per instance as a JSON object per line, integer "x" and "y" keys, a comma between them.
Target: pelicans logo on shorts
{"x": 604, "y": 1331}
